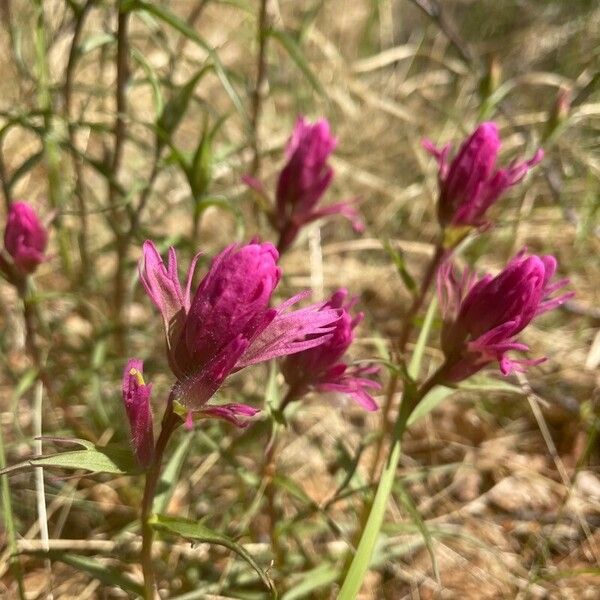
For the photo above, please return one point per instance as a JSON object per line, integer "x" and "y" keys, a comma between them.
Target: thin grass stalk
{"x": 49, "y": 141}
{"x": 40, "y": 491}
{"x": 83, "y": 233}
{"x": 116, "y": 214}
{"x": 9, "y": 522}
{"x": 6, "y": 191}
{"x": 261, "y": 87}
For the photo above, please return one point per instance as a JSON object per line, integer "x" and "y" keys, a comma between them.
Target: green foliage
{"x": 197, "y": 531}
{"x": 95, "y": 459}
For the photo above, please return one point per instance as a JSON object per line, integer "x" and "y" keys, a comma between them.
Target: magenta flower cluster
{"x": 321, "y": 368}
{"x": 228, "y": 322}
{"x": 227, "y": 325}
{"x": 471, "y": 183}
{"x": 482, "y": 317}
{"x": 303, "y": 181}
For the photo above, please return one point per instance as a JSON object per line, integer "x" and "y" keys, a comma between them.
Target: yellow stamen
{"x": 138, "y": 375}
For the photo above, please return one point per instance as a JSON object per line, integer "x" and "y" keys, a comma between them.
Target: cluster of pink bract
{"x": 228, "y": 323}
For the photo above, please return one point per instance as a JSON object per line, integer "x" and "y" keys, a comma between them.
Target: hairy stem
{"x": 169, "y": 424}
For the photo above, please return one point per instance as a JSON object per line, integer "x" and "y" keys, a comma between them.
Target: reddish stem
{"x": 169, "y": 424}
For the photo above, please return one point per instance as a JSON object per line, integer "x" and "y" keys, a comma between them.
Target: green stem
{"x": 360, "y": 563}
{"x": 170, "y": 423}
{"x": 407, "y": 327}
{"x": 418, "y": 300}
{"x": 117, "y": 215}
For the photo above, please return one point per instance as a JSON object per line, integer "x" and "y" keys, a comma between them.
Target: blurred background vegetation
{"x": 132, "y": 120}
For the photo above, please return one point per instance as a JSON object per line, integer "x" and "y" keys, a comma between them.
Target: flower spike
{"x": 470, "y": 183}
{"x": 303, "y": 181}
{"x": 321, "y": 367}
{"x": 25, "y": 238}
{"x": 483, "y": 317}
{"x": 229, "y": 323}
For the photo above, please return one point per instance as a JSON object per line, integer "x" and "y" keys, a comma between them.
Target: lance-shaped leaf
{"x": 96, "y": 459}
{"x": 194, "y": 530}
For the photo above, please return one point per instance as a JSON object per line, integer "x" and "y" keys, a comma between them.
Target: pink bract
{"x": 136, "y": 397}
{"x": 322, "y": 368}
{"x": 303, "y": 181}
{"x": 483, "y": 317}
{"x": 229, "y": 323}
{"x": 471, "y": 183}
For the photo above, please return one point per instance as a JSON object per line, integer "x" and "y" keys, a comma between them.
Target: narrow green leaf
{"x": 362, "y": 559}
{"x": 414, "y": 366}
{"x": 174, "y": 21}
{"x": 98, "y": 459}
{"x": 152, "y": 80}
{"x": 25, "y": 383}
{"x": 420, "y": 524}
{"x": 430, "y": 402}
{"x": 296, "y": 54}
{"x": 201, "y": 167}
{"x": 400, "y": 264}
{"x": 195, "y": 530}
{"x": 293, "y": 488}
{"x": 9, "y": 522}
{"x": 24, "y": 168}
{"x": 95, "y": 41}
{"x": 175, "y": 108}
{"x": 106, "y": 574}
{"x": 483, "y": 383}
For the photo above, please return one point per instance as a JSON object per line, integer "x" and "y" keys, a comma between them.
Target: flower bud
{"x": 25, "y": 238}
{"x": 136, "y": 397}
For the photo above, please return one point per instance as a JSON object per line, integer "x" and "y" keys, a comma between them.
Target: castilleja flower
{"x": 321, "y": 368}
{"x": 229, "y": 323}
{"x": 303, "y": 181}
{"x": 136, "y": 397}
{"x": 483, "y": 317}
{"x": 471, "y": 183}
{"x": 25, "y": 238}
